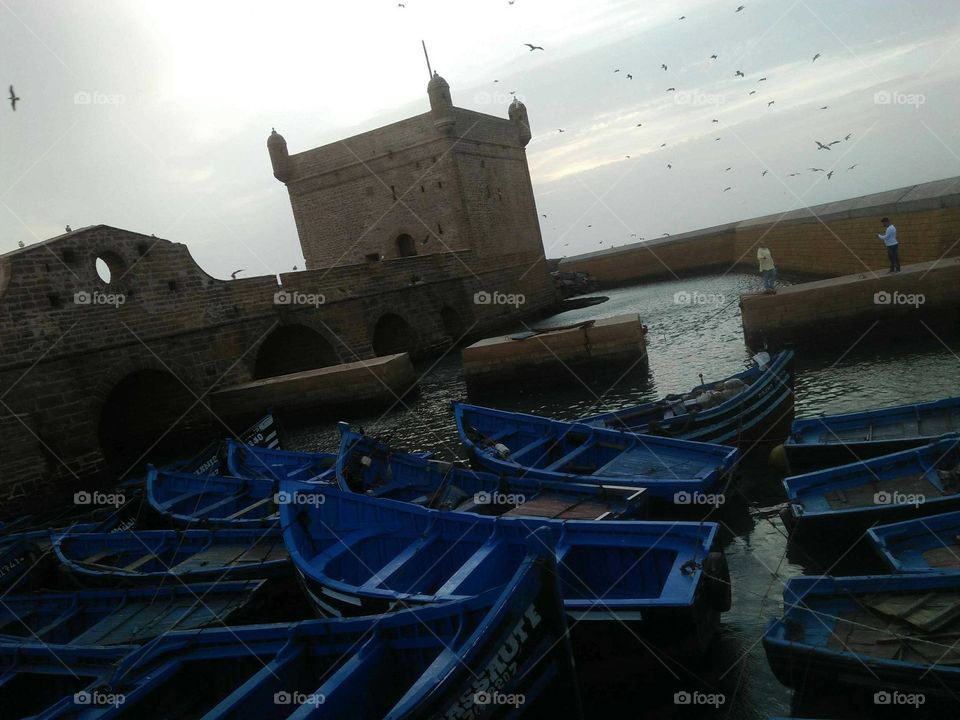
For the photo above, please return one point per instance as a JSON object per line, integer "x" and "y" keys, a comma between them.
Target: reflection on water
{"x": 686, "y": 339}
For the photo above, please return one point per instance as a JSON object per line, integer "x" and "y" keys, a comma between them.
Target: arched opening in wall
{"x": 393, "y": 334}
{"x": 109, "y": 267}
{"x": 291, "y": 349}
{"x": 149, "y": 416}
{"x": 406, "y": 247}
{"x": 452, "y": 324}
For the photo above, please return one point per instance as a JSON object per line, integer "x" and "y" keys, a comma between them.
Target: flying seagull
{"x": 821, "y": 146}
{"x": 715, "y": 139}
{"x": 829, "y": 174}
{"x": 663, "y": 145}
{"x": 815, "y": 169}
{"x": 715, "y": 120}
{"x": 533, "y": 47}
{"x": 683, "y": 17}
{"x": 544, "y": 214}
{"x": 617, "y": 70}
{"x": 835, "y": 142}
{"x": 738, "y": 73}
{"x": 815, "y": 57}
{"x": 559, "y": 129}
{"x": 713, "y": 57}
{"x": 13, "y": 99}
{"x": 639, "y": 124}
{"x": 664, "y": 67}
{"x": 764, "y": 173}
{"x": 669, "y": 166}
{"x": 728, "y": 169}
{"x": 853, "y": 166}
{"x": 727, "y": 188}
{"x": 627, "y": 157}
{"x": 671, "y": 89}
{"x": 752, "y": 92}
{"x": 847, "y": 137}
{"x": 763, "y": 79}
{"x": 629, "y": 76}
{"x": 793, "y": 174}
{"x": 771, "y": 103}
{"x": 824, "y": 107}
{"x": 233, "y": 275}
{"x": 739, "y": 8}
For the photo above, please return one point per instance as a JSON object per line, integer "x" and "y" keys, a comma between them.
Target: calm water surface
{"x": 685, "y": 340}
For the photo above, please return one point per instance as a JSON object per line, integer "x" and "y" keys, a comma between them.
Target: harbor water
{"x": 694, "y": 329}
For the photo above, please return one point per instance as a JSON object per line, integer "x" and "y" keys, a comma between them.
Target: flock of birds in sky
{"x": 14, "y": 99}
{"x": 737, "y": 74}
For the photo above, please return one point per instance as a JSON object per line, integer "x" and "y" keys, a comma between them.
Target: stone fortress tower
{"x": 447, "y": 181}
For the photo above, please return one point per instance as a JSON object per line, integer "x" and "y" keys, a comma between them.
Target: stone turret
{"x": 518, "y": 115}
{"x": 279, "y": 157}
{"x": 441, "y": 106}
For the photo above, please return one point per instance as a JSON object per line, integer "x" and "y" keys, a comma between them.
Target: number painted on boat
{"x": 495, "y": 676}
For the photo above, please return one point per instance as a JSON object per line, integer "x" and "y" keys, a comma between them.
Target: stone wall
{"x": 74, "y": 356}
{"x": 827, "y": 240}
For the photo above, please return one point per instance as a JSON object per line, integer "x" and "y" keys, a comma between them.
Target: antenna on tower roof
{"x": 429, "y": 70}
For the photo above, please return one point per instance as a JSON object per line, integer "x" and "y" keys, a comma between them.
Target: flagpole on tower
{"x": 429, "y": 70}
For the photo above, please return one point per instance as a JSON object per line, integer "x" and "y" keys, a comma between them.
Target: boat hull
{"x": 826, "y": 617}
{"x": 830, "y": 440}
{"x": 528, "y": 446}
{"x": 761, "y": 415}
{"x": 845, "y": 501}
{"x": 363, "y": 556}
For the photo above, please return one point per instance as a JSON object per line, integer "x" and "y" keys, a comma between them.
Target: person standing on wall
{"x": 889, "y": 238}
{"x": 767, "y": 269}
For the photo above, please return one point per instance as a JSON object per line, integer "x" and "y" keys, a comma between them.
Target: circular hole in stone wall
{"x": 103, "y": 270}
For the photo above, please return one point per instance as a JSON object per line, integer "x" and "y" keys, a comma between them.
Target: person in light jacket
{"x": 767, "y": 269}
{"x": 889, "y": 238}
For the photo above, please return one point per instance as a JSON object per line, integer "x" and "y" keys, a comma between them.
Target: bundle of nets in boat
{"x": 721, "y": 392}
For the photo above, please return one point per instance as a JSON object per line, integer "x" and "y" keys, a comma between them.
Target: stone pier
{"x": 557, "y": 356}
{"x": 844, "y": 308}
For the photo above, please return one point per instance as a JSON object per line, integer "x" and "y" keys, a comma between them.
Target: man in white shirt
{"x": 767, "y": 269}
{"x": 889, "y": 238}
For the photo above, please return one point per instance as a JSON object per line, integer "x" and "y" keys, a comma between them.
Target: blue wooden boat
{"x": 440, "y": 661}
{"x": 888, "y": 631}
{"x": 210, "y": 461}
{"x": 746, "y": 408}
{"x": 851, "y": 498}
{"x": 25, "y": 557}
{"x": 371, "y": 467}
{"x": 924, "y": 544}
{"x": 46, "y": 681}
{"x": 830, "y": 440}
{"x": 363, "y": 555}
{"x": 529, "y": 446}
{"x": 156, "y": 556}
{"x": 246, "y": 461}
{"x": 188, "y": 500}
{"x": 122, "y": 617}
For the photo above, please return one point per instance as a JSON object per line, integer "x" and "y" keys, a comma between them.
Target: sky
{"x": 153, "y": 116}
